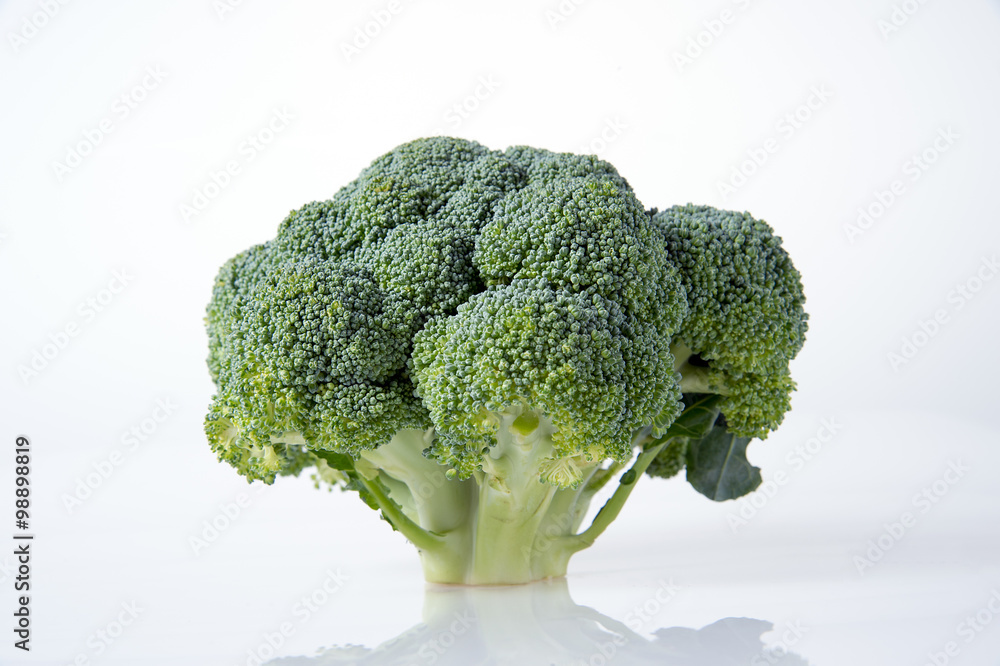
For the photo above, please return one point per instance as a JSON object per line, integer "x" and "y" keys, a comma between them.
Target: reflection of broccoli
{"x": 541, "y": 624}
{"x": 477, "y": 341}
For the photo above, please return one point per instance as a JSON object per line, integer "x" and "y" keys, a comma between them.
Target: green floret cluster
{"x": 746, "y": 319}
{"x": 478, "y": 341}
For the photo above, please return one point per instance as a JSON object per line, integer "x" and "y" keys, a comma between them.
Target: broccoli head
{"x": 477, "y": 341}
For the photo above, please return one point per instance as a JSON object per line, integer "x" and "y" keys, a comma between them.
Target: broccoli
{"x": 476, "y": 342}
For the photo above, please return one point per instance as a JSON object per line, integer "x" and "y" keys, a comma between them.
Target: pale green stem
{"x": 417, "y": 535}
{"x": 613, "y": 506}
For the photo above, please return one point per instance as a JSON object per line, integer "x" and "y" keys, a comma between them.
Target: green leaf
{"x": 717, "y": 465}
{"x": 339, "y": 461}
{"x": 372, "y": 503}
{"x": 700, "y": 412}
{"x": 366, "y": 496}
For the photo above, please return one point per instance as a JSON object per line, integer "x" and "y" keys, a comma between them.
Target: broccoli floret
{"x": 747, "y": 317}
{"x": 478, "y": 341}
{"x": 527, "y": 345}
{"x": 545, "y": 166}
{"x": 429, "y": 264}
{"x": 317, "y": 352}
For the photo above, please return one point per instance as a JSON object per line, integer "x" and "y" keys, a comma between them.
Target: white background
{"x": 594, "y": 76}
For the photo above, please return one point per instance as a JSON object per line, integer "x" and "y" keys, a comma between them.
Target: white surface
{"x": 673, "y": 133}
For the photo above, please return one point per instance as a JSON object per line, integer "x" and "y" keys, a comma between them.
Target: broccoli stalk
{"x": 503, "y": 526}
{"x": 478, "y": 342}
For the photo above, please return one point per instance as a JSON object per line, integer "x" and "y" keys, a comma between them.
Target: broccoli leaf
{"x": 700, "y": 413}
{"x": 717, "y": 465}
{"x": 335, "y": 460}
